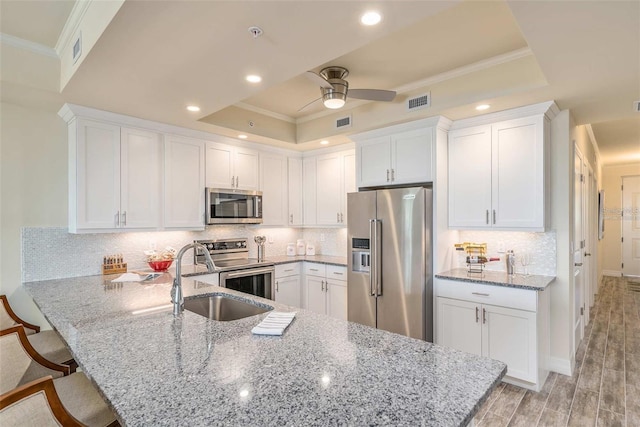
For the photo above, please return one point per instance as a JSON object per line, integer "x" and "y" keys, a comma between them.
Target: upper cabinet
{"x": 231, "y": 167}
{"x": 184, "y": 183}
{"x": 273, "y": 184}
{"x": 294, "y": 182}
{"x": 498, "y": 172}
{"x": 114, "y": 177}
{"x": 397, "y": 155}
{"x": 327, "y": 180}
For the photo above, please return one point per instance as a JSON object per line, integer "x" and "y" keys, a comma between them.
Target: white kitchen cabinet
{"x": 498, "y": 174}
{"x": 506, "y": 324}
{"x": 114, "y": 177}
{"x": 230, "y": 167}
{"x": 184, "y": 180}
{"x": 294, "y": 185}
{"x": 288, "y": 284}
{"x": 402, "y": 158}
{"x": 327, "y": 199}
{"x": 325, "y": 292}
{"x": 273, "y": 184}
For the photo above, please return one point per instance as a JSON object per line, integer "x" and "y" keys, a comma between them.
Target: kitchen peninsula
{"x": 154, "y": 369}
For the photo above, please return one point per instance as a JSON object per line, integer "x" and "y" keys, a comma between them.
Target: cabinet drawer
{"x": 313, "y": 269}
{"x": 288, "y": 269}
{"x": 521, "y": 299}
{"x": 336, "y": 272}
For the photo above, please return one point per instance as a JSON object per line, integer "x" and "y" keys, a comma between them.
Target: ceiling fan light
{"x": 334, "y": 103}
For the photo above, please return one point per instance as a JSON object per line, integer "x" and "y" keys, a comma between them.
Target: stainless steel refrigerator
{"x": 390, "y": 251}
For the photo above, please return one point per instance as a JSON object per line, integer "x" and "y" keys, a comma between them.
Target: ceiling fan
{"x": 334, "y": 88}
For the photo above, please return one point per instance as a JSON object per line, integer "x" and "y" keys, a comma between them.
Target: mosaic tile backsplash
{"x": 53, "y": 253}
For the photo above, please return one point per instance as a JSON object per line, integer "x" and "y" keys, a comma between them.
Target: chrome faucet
{"x": 176, "y": 290}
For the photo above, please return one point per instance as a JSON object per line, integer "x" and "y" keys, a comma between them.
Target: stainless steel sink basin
{"x": 223, "y": 308}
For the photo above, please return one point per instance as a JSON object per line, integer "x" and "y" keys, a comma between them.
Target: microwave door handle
{"x": 257, "y": 206}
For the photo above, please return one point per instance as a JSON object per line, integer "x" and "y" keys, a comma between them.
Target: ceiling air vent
{"x": 343, "y": 122}
{"x": 636, "y": 106}
{"x": 419, "y": 102}
{"x": 77, "y": 48}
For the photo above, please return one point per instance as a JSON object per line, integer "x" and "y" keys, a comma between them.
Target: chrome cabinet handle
{"x": 387, "y": 175}
{"x": 393, "y": 174}
{"x": 117, "y": 219}
{"x": 291, "y": 269}
{"x": 337, "y": 216}
{"x": 339, "y": 274}
{"x": 233, "y": 181}
{"x": 291, "y": 216}
{"x": 578, "y": 264}
{"x": 480, "y": 293}
{"x": 587, "y": 254}
{"x": 322, "y": 285}
{"x": 477, "y": 314}
{"x": 277, "y": 286}
{"x": 341, "y": 217}
{"x": 484, "y": 315}
{"x": 124, "y": 218}
{"x": 313, "y": 269}
{"x": 487, "y": 219}
{"x": 237, "y": 181}
{"x": 494, "y": 216}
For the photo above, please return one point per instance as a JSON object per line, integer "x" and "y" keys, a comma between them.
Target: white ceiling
{"x": 155, "y": 58}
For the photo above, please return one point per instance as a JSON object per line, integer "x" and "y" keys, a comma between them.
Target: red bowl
{"x": 160, "y": 265}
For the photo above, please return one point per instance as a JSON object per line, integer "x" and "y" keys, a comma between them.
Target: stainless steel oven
{"x": 233, "y": 206}
{"x": 255, "y": 281}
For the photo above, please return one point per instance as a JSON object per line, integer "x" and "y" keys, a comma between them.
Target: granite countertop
{"x": 499, "y": 278}
{"x": 154, "y": 369}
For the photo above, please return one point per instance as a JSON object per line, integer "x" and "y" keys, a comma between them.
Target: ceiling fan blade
{"x": 372, "y": 94}
{"x": 318, "y": 80}
{"x": 309, "y": 104}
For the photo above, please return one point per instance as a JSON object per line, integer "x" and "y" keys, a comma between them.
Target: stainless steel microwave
{"x": 233, "y": 206}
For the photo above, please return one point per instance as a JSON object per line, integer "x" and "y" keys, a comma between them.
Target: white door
{"x": 288, "y": 290}
{"x": 273, "y": 183}
{"x": 328, "y": 188}
{"x": 294, "y": 183}
{"x": 411, "y": 157}
{"x": 184, "y": 182}
{"x": 459, "y": 325}
{"x": 98, "y": 175}
{"x": 470, "y": 177}
{"x": 586, "y": 233}
{"x": 316, "y": 299}
{"x": 246, "y": 169}
{"x": 219, "y": 165}
{"x": 141, "y": 178}
{"x": 375, "y": 163}
{"x": 509, "y": 336}
{"x": 517, "y": 181}
{"x": 336, "y": 291}
{"x": 631, "y": 226}
{"x": 578, "y": 246}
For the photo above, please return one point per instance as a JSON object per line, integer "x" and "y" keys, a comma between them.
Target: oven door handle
{"x": 250, "y": 272}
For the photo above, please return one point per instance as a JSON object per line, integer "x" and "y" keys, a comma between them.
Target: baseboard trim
{"x": 561, "y": 366}
{"x": 613, "y": 273}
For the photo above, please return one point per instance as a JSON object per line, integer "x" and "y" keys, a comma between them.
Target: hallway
{"x": 605, "y": 386}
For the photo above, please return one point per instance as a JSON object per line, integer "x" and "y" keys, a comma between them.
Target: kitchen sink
{"x": 223, "y": 308}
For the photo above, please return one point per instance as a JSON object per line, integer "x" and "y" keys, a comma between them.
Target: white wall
{"x": 611, "y": 245}
{"x": 33, "y": 190}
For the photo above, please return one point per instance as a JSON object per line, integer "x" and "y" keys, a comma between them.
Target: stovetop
{"x": 229, "y": 255}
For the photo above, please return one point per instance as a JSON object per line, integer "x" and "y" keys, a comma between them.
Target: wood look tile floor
{"x": 605, "y": 387}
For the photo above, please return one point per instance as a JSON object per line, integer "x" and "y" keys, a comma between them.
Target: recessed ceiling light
{"x": 483, "y": 107}
{"x": 242, "y": 136}
{"x": 193, "y": 108}
{"x": 253, "y": 78}
{"x": 324, "y": 142}
{"x": 370, "y": 18}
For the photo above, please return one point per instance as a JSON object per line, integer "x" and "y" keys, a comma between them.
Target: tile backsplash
{"x": 53, "y": 253}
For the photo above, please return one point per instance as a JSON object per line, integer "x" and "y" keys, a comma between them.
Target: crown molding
{"x": 548, "y": 108}
{"x": 439, "y": 122}
{"x": 72, "y": 25}
{"x": 265, "y": 112}
{"x": 23, "y": 44}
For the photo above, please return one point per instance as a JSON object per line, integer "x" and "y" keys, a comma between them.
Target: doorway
{"x": 631, "y": 226}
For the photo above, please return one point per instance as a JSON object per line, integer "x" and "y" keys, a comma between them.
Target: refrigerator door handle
{"x": 377, "y": 256}
{"x": 372, "y": 271}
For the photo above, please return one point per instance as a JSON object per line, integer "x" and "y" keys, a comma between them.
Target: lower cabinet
{"x": 324, "y": 293}
{"x": 288, "y": 286}
{"x": 506, "y": 324}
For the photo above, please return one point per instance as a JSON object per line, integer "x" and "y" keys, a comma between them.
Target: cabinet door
{"x": 273, "y": 183}
{"x": 288, "y": 290}
{"x": 309, "y": 196}
{"x": 184, "y": 183}
{"x": 94, "y": 196}
{"x": 518, "y": 173}
{"x": 219, "y": 165}
{"x": 329, "y": 187}
{"x": 316, "y": 299}
{"x": 459, "y": 325}
{"x": 141, "y": 178}
{"x": 348, "y": 182}
{"x": 294, "y": 183}
{"x": 509, "y": 336}
{"x": 336, "y": 299}
{"x": 412, "y": 156}
{"x": 246, "y": 169}
{"x": 470, "y": 177}
{"x": 374, "y": 166}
